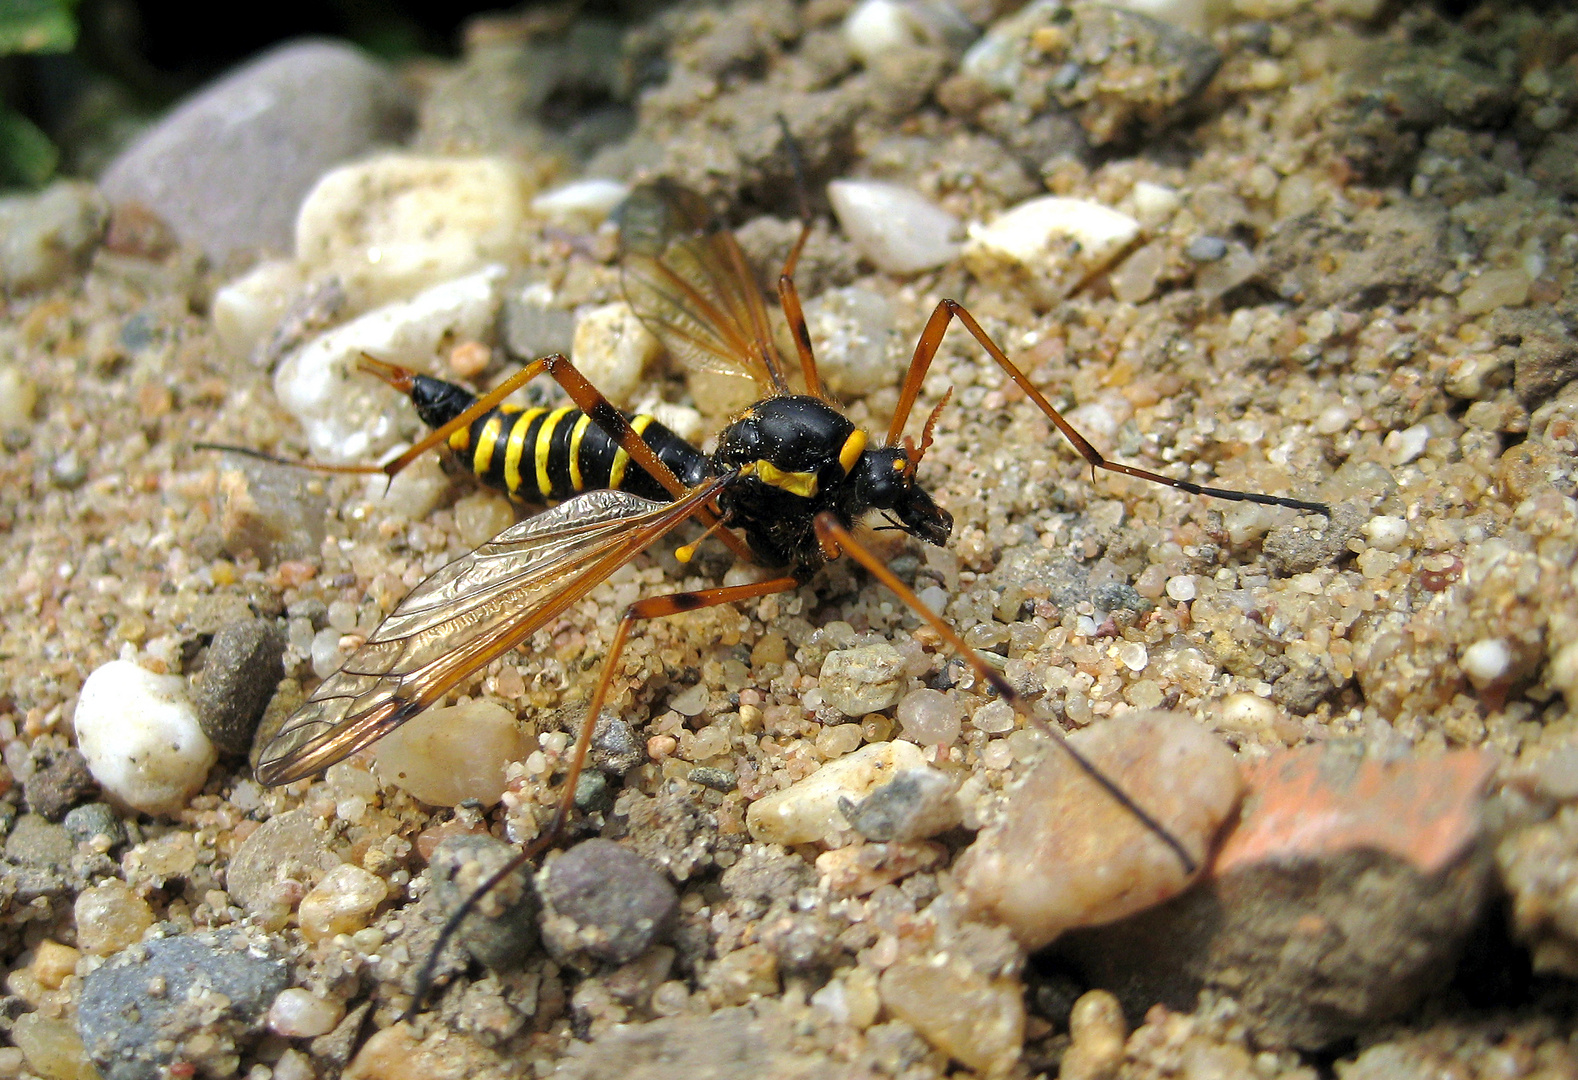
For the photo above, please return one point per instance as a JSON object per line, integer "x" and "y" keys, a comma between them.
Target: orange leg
{"x": 926, "y": 349}
{"x": 833, "y": 535}
{"x": 653, "y": 607}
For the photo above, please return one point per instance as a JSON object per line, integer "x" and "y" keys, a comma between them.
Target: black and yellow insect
{"x": 792, "y": 474}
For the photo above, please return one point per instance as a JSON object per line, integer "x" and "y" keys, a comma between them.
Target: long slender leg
{"x": 587, "y": 398}
{"x": 833, "y": 534}
{"x": 789, "y": 300}
{"x": 926, "y": 350}
{"x": 653, "y": 607}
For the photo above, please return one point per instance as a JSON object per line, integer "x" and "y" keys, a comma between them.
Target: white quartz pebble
{"x": 351, "y": 416}
{"x": 874, "y": 27}
{"x": 140, "y": 736}
{"x": 246, "y": 311}
{"x": 809, "y": 809}
{"x": 1065, "y": 853}
{"x": 898, "y": 229}
{"x": 1048, "y": 246}
{"x": 446, "y": 756}
{"x": 1485, "y": 662}
{"x": 581, "y": 202}
{"x": 301, "y": 1014}
{"x": 393, "y": 225}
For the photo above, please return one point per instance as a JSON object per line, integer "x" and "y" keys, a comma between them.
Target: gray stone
{"x": 189, "y": 998}
{"x": 915, "y": 805}
{"x": 1389, "y": 255}
{"x": 245, "y": 664}
{"x": 1206, "y": 248}
{"x": 95, "y": 819}
{"x": 1298, "y": 548}
{"x": 45, "y": 236}
{"x": 37, "y": 841}
{"x": 715, "y": 778}
{"x": 615, "y": 748}
{"x": 285, "y": 848}
{"x": 502, "y": 928}
{"x": 59, "y": 784}
{"x": 604, "y": 902}
{"x": 228, "y": 168}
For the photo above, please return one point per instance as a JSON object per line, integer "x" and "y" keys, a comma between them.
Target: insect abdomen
{"x": 547, "y": 455}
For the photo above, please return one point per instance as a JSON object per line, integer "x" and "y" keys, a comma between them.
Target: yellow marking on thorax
{"x": 802, "y": 484}
{"x": 544, "y": 444}
{"x": 854, "y": 446}
{"x": 515, "y": 448}
{"x": 575, "y": 451}
{"x": 616, "y": 475}
{"x": 487, "y": 439}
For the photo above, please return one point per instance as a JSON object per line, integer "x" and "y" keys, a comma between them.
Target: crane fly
{"x": 789, "y": 482}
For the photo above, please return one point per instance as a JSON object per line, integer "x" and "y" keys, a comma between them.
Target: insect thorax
{"x": 796, "y": 453}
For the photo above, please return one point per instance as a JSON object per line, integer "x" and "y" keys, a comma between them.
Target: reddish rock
{"x": 1342, "y": 896}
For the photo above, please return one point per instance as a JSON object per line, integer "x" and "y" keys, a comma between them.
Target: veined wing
{"x": 686, "y": 277}
{"x": 477, "y": 608}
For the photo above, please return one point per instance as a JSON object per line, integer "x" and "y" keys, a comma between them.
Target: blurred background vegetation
{"x": 78, "y": 78}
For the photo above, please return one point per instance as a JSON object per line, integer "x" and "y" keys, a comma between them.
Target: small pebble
{"x": 862, "y": 680}
{"x": 1067, "y": 854}
{"x": 581, "y": 203}
{"x": 301, "y": 1014}
{"x": 808, "y": 810}
{"x": 1386, "y": 532}
{"x": 59, "y": 785}
{"x": 914, "y": 805}
{"x": 245, "y": 663}
{"x": 246, "y": 311}
{"x": 976, "y": 1020}
{"x": 501, "y": 930}
{"x": 51, "y": 1047}
{"x": 604, "y": 901}
{"x": 342, "y": 903}
{"x": 1097, "y": 1031}
{"x": 930, "y": 718}
{"x": 1181, "y": 588}
{"x": 1206, "y": 249}
{"x": 994, "y": 718}
{"x": 899, "y": 230}
{"x": 141, "y": 738}
{"x": 446, "y": 756}
{"x": 18, "y": 397}
{"x": 1406, "y": 445}
{"x": 52, "y": 962}
{"x": 615, "y": 749}
{"x": 1494, "y": 289}
{"x": 92, "y": 820}
{"x": 742, "y": 976}
{"x": 1048, "y": 246}
{"x": 862, "y": 869}
{"x": 875, "y": 27}
{"x": 1486, "y": 662}
{"x": 612, "y": 348}
{"x": 110, "y": 916}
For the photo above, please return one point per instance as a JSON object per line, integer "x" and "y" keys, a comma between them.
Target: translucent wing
{"x": 477, "y": 608}
{"x": 686, "y": 278}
